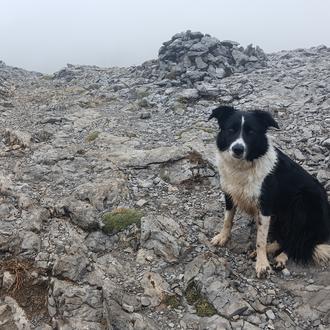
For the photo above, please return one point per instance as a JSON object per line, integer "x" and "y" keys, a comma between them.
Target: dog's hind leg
{"x": 222, "y": 238}
{"x": 281, "y": 260}
{"x": 321, "y": 253}
{"x": 273, "y": 247}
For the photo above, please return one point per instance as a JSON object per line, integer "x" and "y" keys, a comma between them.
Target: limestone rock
{"x": 164, "y": 236}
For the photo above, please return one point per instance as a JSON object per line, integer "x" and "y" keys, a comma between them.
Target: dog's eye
{"x": 251, "y": 132}
{"x": 231, "y": 130}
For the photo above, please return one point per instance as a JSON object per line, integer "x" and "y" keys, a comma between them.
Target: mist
{"x": 44, "y": 35}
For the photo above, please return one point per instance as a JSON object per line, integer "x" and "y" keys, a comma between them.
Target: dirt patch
{"x": 30, "y": 288}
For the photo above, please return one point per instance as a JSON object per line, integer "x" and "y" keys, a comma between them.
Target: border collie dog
{"x": 262, "y": 181}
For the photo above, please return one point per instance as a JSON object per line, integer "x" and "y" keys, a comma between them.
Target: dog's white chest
{"x": 243, "y": 180}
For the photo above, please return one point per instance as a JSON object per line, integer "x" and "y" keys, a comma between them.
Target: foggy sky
{"x": 45, "y": 35}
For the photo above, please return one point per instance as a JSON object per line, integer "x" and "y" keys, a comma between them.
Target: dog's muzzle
{"x": 237, "y": 150}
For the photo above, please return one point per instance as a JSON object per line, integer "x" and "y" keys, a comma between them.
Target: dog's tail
{"x": 321, "y": 253}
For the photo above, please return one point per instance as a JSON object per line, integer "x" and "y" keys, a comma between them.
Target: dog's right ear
{"x": 222, "y": 113}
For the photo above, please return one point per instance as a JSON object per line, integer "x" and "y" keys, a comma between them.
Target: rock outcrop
{"x": 87, "y": 143}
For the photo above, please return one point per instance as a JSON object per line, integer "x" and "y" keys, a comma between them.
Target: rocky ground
{"x": 110, "y": 195}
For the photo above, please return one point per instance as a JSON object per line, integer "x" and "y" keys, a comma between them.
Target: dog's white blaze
{"x": 240, "y": 139}
{"x": 242, "y": 179}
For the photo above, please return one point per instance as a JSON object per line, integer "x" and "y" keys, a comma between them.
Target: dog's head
{"x": 243, "y": 134}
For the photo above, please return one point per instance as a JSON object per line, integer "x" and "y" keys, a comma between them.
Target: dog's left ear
{"x": 266, "y": 118}
{"x": 222, "y": 113}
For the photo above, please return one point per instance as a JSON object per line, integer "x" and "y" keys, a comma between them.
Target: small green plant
{"x": 171, "y": 300}
{"x": 120, "y": 219}
{"x": 204, "y": 308}
{"x": 92, "y": 136}
{"x": 202, "y": 305}
{"x": 192, "y": 294}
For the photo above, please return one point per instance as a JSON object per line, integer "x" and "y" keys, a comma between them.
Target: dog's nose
{"x": 238, "y": 149}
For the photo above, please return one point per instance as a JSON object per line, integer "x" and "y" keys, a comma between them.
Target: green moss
{"x": 204, "y": 308}
{"x": 92, "y": 136}
{"x": 202, "y": 305}
{"x": 172, "y": 301}
{"x": 120, "y": 219}
{"x": 192, "y": 294}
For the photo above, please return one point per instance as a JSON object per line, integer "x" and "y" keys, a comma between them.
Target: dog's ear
{"x": 266, "y": 118}
{"x": 222, "y": 113}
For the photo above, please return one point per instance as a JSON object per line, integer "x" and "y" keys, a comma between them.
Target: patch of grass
{"x": 204, "y": 308}
{"x": 92, "y": 136}
{"x": 120, "y": 219}
{"x": 171, "y": 300}
{"x": 192, "y": 294}
{"x": 202, "y": 305}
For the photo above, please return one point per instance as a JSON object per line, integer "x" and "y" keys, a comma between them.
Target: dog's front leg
{"x": 223, "y": 237}
{"x": 262, "y": 264}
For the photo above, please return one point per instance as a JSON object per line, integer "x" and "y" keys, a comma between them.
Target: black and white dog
{"x": 262, "y": 181}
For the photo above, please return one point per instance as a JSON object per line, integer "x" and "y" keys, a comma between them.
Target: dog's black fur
{"x": 299, "y": 208}
{"x": 295, "y": 200}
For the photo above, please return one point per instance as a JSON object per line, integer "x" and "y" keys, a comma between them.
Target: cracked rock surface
{"x": 87, "y": 143}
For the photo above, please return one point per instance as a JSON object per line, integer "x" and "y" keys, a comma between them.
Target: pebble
{"x": 286, "y": 272}
{"x": 145, "y": 115}
{"x": 270, "y": 314}
{"x": 141, "y": 202}
{"x": 128, "y": 308}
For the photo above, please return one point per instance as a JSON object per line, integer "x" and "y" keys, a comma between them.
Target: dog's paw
{"x": 281, "y": 260}
{"x": 263, "y": 268}
{"x": 220, "y": 239}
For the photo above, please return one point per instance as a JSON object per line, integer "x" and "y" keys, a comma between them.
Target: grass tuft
{"x": 120, "y": 219}
{"x": 171, "y": 300}
{"x": 202, "y": 305}
{"x": 92, "y": 136}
